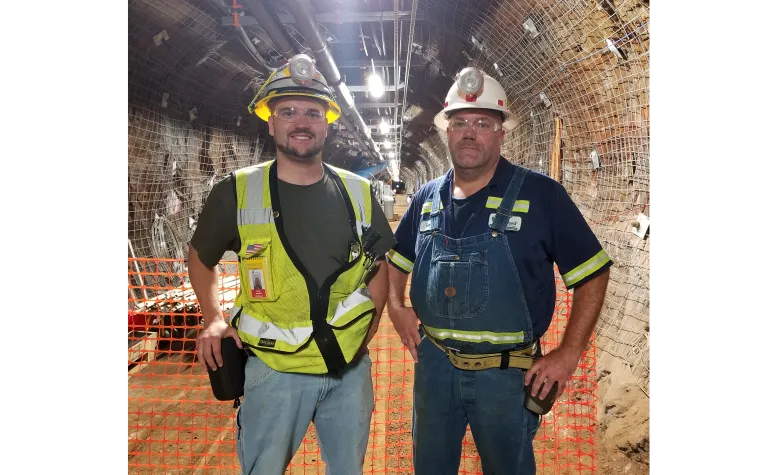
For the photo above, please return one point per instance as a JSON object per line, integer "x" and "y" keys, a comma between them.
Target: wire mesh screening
{"x": 175, "y": 424}
{"x": 187, "y": 124}
{"x": 576, "y": 74}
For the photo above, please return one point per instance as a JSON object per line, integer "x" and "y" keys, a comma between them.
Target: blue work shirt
{"x": 553, "y": 231}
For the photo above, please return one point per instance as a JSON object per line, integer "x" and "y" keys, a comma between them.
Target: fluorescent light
{"x": 375, "y": 85}
{"x": 391, "y": 155}
{"x": 387, "y": 143}
{"x": 384, "y": 126}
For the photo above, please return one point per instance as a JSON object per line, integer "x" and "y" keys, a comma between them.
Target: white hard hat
{"x": 475, "y": 90}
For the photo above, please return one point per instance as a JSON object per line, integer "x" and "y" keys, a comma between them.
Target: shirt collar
{"x": 498, "y": 183}
{"x": 502, "y": 177}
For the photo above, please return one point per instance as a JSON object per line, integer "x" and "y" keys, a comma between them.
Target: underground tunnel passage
{"x": 576, "y": 75}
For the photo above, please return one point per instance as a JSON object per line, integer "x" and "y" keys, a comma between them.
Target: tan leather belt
{"x": 522, "y": 359}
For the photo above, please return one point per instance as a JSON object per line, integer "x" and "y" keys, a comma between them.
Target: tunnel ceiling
{"x": 204, "y": 65}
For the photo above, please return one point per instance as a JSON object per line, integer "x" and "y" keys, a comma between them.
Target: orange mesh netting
{"x": 175, "y": 425}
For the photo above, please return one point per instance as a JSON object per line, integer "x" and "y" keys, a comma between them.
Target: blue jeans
{"x": 491, "y": 401}
{"x": 277, "y": 408}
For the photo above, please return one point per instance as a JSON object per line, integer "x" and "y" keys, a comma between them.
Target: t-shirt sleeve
{"x": 574, "y": 247}
{"x": 403, "y": 254}
{"x": 216, "y": 231}
{"x": 380, "y": 224}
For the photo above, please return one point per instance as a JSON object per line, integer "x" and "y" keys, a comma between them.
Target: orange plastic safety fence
{"x": 175, "y": 424}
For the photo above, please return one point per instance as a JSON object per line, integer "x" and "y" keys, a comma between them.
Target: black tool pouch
{"x": 228, "y": 381}
{"x": 539, "y": 405}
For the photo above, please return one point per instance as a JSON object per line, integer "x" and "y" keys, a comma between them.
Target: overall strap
{"x": 434, "y": 215}
{"x": 504, "y": 211}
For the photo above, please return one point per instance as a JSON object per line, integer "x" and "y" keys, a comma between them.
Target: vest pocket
{"x": 256, "y": 279}
{"x": 457, "y": 285}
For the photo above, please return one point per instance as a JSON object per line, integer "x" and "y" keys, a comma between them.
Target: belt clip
{"x": 354, "y": 249}
{"x": 370, "y": 262}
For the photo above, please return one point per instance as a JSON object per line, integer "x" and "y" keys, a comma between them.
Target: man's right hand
{"x": 209, "y": 343}
{"x": 407, "y": 326}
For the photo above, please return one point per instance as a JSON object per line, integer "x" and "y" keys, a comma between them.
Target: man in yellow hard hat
{"x": 313, "y": 235}
{"x": 481, "y": 241}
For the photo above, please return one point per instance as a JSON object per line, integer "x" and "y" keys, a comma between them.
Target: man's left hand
{"x": 556, "y": 366}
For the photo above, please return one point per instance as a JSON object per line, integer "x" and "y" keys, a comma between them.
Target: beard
{"x": 292, "y": 152}
{"x": 469, "y": 159}
{"x": 308, "y": 153}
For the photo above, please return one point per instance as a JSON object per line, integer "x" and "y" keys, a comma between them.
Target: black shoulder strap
{"x": 345, "y": 196}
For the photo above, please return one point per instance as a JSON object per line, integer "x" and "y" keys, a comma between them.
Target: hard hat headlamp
{"x": 470, "y": 82}
{"x": 302, "y": 69}
{"x": 297, "y": 78}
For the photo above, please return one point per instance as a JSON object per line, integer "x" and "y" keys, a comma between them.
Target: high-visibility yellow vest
{"x": 280, "y": 313}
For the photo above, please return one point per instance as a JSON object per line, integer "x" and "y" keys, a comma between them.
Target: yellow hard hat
{"x": 297, "y": 78}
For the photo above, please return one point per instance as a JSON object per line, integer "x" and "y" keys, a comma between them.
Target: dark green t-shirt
{"x": 315, "y": 218}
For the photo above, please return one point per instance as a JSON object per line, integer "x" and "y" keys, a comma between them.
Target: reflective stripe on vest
{"x": 286, "y": 338}
{"x": 258, "y": 202}
{"x": 257, "y": 208}
{"x": 361, "y": 197}
{"x": 283, "y": 326}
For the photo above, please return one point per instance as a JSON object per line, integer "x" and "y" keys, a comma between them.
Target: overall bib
{"x": 468, "y": 295}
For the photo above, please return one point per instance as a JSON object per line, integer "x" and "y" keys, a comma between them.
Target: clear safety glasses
{"x": 292, "y": 114}
{"x": 481, "y": 126}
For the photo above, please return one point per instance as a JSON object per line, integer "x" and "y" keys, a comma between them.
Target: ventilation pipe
{"x": 272, "y": 26}
{"x": 307, "y": 26}
{"x": 244, "y": 38}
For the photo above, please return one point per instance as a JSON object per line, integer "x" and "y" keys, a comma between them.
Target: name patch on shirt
{"x": 514, "y": 223}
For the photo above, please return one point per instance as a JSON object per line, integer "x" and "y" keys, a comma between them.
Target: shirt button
{"x": 450, "y": 291}
{"x": 495, "y": 233}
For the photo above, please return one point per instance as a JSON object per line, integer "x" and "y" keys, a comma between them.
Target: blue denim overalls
{"x": 467, "y": 294}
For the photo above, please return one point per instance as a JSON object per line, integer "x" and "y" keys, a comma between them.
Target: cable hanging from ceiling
{"x": 399, "y": 143}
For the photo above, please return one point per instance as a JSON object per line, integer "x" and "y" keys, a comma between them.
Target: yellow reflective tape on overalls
{"x": 522, "y": 359}
{"x": 476, "y": 336}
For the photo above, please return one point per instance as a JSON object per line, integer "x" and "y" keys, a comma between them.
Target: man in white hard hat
{"x": 481, "y": 242}
{"x": 306, "y": 231}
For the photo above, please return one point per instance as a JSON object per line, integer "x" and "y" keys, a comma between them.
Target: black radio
{"x": 228, "y": 381}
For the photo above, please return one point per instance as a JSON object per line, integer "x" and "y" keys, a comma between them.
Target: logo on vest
{"x": 269, "y": 343}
